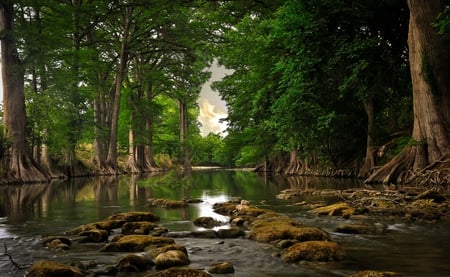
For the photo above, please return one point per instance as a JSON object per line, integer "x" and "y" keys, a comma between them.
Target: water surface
{"x": 28, "y": 212}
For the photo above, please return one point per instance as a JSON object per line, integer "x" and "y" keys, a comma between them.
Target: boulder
{"x": 359, "y": 229}
{"x": 56, "y": 243}
{"x": 180, "y": 272}
{"x": 102, "y": 225}
{"x": 166, "y": 203}
{"x": 134, "y": 263}
{"x": 138, "y": 227}
{"x": 229, "y": 233}
{"x": 93, "y": 235}
{"x": 206, "y": 222}
{"x": 338, "y": 209}
{"x": 372, "y": 273}
{"x": 49, "y": 268}
{"x": 136, "y": 243}
{"x": 134, "y": 216}
{"x": 282, "y": 228}
{"x": 221, "y": 268}
{"x": 313, "y": 251}
{"x": 154, "y": 252}
{"x": 171, "y": 258}
{"x": 206, "y": 234}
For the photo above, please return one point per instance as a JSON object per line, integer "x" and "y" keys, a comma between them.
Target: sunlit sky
{"x": 212, "y": 108}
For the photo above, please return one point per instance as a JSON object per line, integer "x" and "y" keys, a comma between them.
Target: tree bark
{"x": 428, "y": 57}
{"x": 111, "y": 161}
{"x": 369, "y": 160}
{"x": 183, "y": 121}
{"x": 22, "y": 168}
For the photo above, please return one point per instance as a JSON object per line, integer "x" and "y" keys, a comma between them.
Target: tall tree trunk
{"x": 183, "y": 121}
{"x": 428, "y": 57}
{"x": 111, "y": 161}
{"x": 22, "y": 168}
{"x": 369, "y": 161}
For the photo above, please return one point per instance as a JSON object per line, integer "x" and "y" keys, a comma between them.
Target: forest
{"x": 336, "y": 88}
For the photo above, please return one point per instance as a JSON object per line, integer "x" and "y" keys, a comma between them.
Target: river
{"x": 28, "y": 212}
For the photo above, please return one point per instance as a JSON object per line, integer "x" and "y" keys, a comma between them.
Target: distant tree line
{"x": 318, "y": 87}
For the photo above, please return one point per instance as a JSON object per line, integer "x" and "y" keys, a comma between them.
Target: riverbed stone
{"x": 48, "y": 268}
{"x": 373, "y": 273}
{"x": 274, "y": 230}
{"x": 338, "y": 209}
{"x": 221, "y": 268}
{"x": 134, "y": 263}
{"x": 104, "y": 224}
{"x": 228, "y": 233}
{"x": 56, "y": 243}
{"x": 138, "y": 227}
{"x": 206, "y": 222}
{"x": 180, "y": 272}
{"x": 313, "y": 251}
{"x": 171, "y": 258}
{"x": 153, "y": 252}
{"x": 205, "y": 234}
{"x": 136, "y": 243}
{"x": 167, "y": 203}
{"x": 359, "y": 229}
{"x": 93, "y": 235}
{"x": 134, "y": 216}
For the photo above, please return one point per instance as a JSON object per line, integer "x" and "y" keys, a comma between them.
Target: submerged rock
{"x": 282, "y": 228}
{"x": 51, "y": 268}
{"x": 228, "y": 233}
{"x": 206, "y": 222}
{"x": 171, "y": 258}
{"x": 134, "y": 216}
{"x": 372, "y": 273}
{"x": 359, "y": 229}
{"x": 180, "y": 272}
{"x": 138, "y": 227}
{"x": 166, "y": 203}
{"x": 56, "y": 243}
{"x": 221, "y": 268}
{"x": 338, "y": 209}
{"x": 313, "y": 251}
{"x": 134, "y": 263}
{"x": 136, "y": 243}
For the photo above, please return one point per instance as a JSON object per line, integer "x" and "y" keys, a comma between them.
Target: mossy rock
{"x": 134, "y": 263}
{"x": 338, "y": 209}
{"x": 94, "y": 235}
{"x": 105, "y": 224}
{"x": 134, "y": 216}
{"x": 359, "y": 229}
{"x": 284, "y": 229}
{"x": 136, "y": 243}
{"x": 229, "y": 233}
{"x": 313, "y": 251}
{"x": 167, "y": 203}
{"x": 155, "y": 251}
{"x": 138, "y": 227}
{"x": 53, "y": 269}
{"x": 221, "y": 268}
{"x": 180, "y": 272}
{"x": 372, "y": 273}
{"x": 171, "y": 258}
{"x": 225, "y": 208}
{"x": 206, "y": 222}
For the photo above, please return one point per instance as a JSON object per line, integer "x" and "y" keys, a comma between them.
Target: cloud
{"x": 210, "y": 116}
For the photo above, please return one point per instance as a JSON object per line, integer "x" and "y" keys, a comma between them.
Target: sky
{"x": 212, "y": 108}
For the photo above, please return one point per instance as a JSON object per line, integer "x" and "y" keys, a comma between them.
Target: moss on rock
{"x": 313, "y": 251}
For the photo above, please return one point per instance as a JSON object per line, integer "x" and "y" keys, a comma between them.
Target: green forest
{"x": 335, "y": 88}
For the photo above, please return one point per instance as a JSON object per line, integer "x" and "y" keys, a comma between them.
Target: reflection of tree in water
{"x": 312, "y": 182}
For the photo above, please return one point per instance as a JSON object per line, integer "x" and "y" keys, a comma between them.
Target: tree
{"x": 430, "y": 73}
{"x": 22, "y": 167}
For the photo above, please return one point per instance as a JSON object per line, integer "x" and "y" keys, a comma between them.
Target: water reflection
{"x": 29, "y": 211}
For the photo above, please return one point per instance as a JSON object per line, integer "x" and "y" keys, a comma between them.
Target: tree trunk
{"x": 22, "y": 168}
{"x": 111, "y": 161}
{"x": 369, "y": 161}
{"x": 428, "y": 57}
{"x": 183, "y": 121}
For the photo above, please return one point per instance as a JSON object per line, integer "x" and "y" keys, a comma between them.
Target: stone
{"x": 138, "y": 227}
{"x": 358, "y": 229}
{"x": 180, "y": 272}
{"x": 313, "y": 251}
{"x": 134, "y": 263}
{"x": 171, "y": 258}
{"x": 134, "y": 216}
{"x": 57, "y": 243}
{"x": 206, "y": 234}
{"x": 274, "y": 230}
{"x": 372, "y": 273}
{"x": 166, "y": 203}
{"x": 136, "y": 243}
{"x": 221, "y": 268}
{"x": 93, "y": 235}
{"x": 51, "y": 268}
{"x": 229, "y": 233}
{"x": 206, "y": 222}
{"x": 338, "y": 209}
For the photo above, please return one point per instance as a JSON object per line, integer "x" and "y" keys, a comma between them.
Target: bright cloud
{"x": 210, "y": 116}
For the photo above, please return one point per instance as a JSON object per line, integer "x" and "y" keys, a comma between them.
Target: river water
{"x": 28, "y": 212}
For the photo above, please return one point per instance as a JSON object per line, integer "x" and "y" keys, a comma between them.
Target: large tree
{"x": 429, "y": 147}
{"x": 22, "y": 168}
